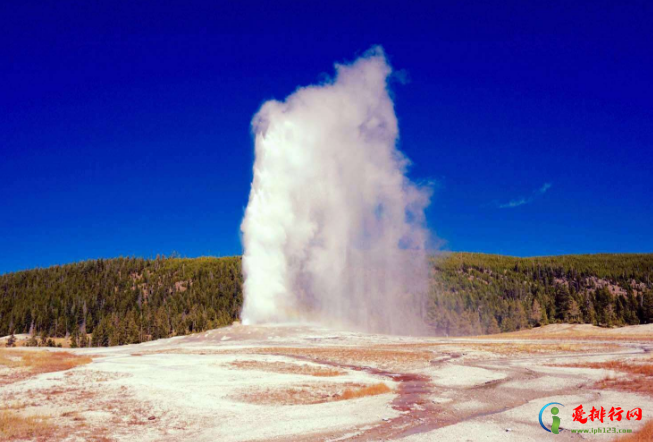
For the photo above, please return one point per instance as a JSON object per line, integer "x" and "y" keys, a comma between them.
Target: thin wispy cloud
{"x": 515, "y": 203}
{"x": 526, "y": 200}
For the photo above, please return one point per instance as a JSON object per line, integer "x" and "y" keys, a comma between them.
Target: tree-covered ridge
{"x": 475, "y": 293}
{"x": 129, "y": 300}
{"x": 122, "y": 300}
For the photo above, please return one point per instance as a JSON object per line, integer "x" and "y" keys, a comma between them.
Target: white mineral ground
{"x": 219, "y": 386}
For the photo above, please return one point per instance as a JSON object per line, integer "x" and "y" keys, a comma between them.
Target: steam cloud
{"x": 334, "y": 231}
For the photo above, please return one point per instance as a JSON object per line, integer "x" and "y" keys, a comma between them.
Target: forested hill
{"x": 122, "y": 300}
{"x": 474, "y": 293}
{"x": 129, "y": 300}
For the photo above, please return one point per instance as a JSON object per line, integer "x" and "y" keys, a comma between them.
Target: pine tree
{"x": 84, "y": 341}
{"x": 44, "y": 339}
{"x": 647, "y": 308}
{"x": 60, "y": 329}
{"x": 536, "y": 313}
{"x": 100, "y": 335}
{"x": 132, "y": 332}
{"x": 545, "y": 317}
{"x": 74, "y": 337}
{"x": 493, "y": 327}
{"x": 562, "y": 301}
{"x": 573, "y": 312}
{"x": 113, "y": 331}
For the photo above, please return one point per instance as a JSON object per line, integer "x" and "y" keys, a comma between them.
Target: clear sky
{"x": 125, "y": 126}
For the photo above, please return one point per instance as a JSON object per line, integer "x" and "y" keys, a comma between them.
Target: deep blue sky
{"x": 124, "y": 127}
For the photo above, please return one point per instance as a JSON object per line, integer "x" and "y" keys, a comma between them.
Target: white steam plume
{"x": 334, "y": 231}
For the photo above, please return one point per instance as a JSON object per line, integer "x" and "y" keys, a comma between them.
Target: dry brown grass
{"x": 10, "y": 358}
{"x": 572, "y": 333}
{"x": 409, "y": 357}
{"x": 30, "y": 363}
{"x": 640, "y": 379}
{"x": 371, "y": 390}
{"x": 634, "y": 367}
{"x": 503, "y": 348}
{"x": 288, "y": 368}
{"x": 72, "y": 401}
{"x": 643, "y": 435}
{"x": 639, "y": 384}
{"x": 307, "y": 394}
{"x": 65, "y": 342}
{"x": 42, "y": 361}
{"x": 380, "y": 357}
{"x": 299, "y": 395}
{"x": 14, "y": 427}
{"x": 15, "y": 405}
{"x": 528, "y": 348}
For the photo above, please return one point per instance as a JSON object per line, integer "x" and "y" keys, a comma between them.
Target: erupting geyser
{"x": 334, "y": 231}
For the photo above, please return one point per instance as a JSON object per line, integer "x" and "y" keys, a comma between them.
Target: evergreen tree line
{"x": 130, "y": 300}
{"x": 473, "y": 293}
{"x": 121, "y": 301}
